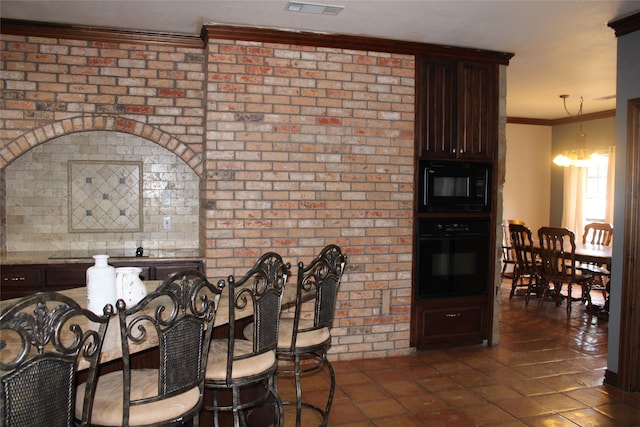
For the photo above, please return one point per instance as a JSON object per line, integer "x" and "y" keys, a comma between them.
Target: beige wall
{"x": 527, "y": 179}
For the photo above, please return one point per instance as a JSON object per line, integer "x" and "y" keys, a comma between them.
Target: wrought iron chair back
{"x": 260, "y": 289}
{"x": 53, "y": 334}
{"x": 180, "y": 314}
{"x": 320, "y": 277}
{"x": 245, "y": 362}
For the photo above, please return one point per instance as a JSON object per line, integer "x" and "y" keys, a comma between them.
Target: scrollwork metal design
{"x": 45, "y": 327}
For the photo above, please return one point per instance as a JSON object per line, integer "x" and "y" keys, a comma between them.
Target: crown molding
{"x": 304, "y": 38}
{"x": 231, "y": 32}
{"x": 563, "y": 120}
{"x": 625, "y": 25}
{"x": 103, "y": 34}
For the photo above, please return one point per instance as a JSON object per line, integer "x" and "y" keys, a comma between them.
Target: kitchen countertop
{"x": 84, "y": 256}
{"x": 112, "y": 349}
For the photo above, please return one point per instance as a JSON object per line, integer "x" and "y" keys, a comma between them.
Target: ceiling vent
{"x": 322, "y": 9}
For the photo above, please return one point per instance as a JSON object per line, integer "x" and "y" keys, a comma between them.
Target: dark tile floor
{"x": 546, "y": 371}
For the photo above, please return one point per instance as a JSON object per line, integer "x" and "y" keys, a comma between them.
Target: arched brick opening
{"x": 14, "y": 149}
{"x": 37, "y": 136}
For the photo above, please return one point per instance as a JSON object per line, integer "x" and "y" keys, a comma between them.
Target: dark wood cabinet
{"x": 451, "y": 321}
{"x": 456, "y": 109}
{"x": 23, "y": 279}
{"x": 457, "y": 117}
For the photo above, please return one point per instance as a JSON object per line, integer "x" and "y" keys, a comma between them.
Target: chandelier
{"x": 579, "y": 157}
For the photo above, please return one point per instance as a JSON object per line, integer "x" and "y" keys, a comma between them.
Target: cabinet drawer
{"x": 21, "y": 278}
{"x": 18, "y": 282}
{"x": 452, "y": 321}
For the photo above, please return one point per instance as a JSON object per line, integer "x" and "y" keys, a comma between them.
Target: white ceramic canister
{"x": 101, "y": 285}
{"x": 129, "y": 286}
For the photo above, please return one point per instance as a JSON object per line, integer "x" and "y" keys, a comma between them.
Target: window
{"x": 595, "y": 199}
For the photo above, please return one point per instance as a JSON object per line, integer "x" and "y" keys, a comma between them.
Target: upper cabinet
{"x": 457, "y": 109}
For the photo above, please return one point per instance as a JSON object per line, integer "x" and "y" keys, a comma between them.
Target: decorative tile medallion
{"x": 105, "y": 196}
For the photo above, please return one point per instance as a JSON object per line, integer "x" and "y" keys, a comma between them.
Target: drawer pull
{"x": 452, "y": 315}
{"x": 15, "y": 279}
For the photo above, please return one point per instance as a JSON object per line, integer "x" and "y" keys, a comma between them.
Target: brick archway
{"x": 37, "y": 136}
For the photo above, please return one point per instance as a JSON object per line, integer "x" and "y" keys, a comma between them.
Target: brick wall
{"x": 296, "y": 147}
{"x": 307, "y": 146}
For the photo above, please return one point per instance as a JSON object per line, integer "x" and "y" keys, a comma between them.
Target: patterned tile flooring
{"x": 546, "y": 371}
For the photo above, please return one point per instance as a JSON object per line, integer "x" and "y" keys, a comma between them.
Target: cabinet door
{"x": 477, "y": 110}
{"x": 65, "y": 276}
{"x": 456, "y": 109}
{"x": 435, "y": 108}
{"x": 164, "y": 270}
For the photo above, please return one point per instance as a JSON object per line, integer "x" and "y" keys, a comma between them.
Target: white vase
{"x": 129, "y": 286}
{"x": 101, "y": 285}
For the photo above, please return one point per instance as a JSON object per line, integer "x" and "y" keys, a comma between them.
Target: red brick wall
{"x": 297, "y": 147}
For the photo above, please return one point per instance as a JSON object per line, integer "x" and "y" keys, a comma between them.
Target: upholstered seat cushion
{"x": 285, "y": 334}
{"x": 304, "y": 339}
{"x": 108, "y": 401}
{"x": 217, "y": 360}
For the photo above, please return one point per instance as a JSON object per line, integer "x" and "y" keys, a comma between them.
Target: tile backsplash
{"x": 42, "y": 189}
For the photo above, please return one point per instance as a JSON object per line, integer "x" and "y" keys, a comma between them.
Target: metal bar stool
{"x": 235, "y": 364}
{"x": 303, "y": 343}
{"x": 179, "y": 315}
{"x": 45, "y": 337}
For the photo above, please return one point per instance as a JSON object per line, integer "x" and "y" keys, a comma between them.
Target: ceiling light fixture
{"x": 579, "y": 157}
{"x": 322, "y": 9}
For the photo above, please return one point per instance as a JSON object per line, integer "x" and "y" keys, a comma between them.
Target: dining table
{"x": 594, "y": 254}
{"x": 588, "y": 253}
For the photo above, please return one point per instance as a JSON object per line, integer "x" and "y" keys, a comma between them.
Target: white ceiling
{"x": 560, "y": 47}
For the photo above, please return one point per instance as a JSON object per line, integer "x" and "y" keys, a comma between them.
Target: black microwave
{"x": 454, "y": 186}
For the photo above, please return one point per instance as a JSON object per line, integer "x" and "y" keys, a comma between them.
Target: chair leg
{"x": 298, "y": 390}
{"x": 236, "y": 404}
{"x": 529, "y": 288}
{"x": 278, "y": 413}
{"x": 216, "y": 421}
{"x": 569, "y": 299}
{"x": 545, "y": 292}
{"x": 514, "y": 283}
{"x": 557, "y": 288}
{"x": 332, "y": 376}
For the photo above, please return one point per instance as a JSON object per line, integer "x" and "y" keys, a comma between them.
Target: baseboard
{"x": 611, "y": 378}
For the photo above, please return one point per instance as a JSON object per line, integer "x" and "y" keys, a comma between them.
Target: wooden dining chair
{"x": 235, "y": 363}
{"x": 558, "y": 264}
{"x": 597, "y": 233}
{"x": 179, "y": 316}
{"x": 525, "y": 271}
{"x": 508, "y": 254}
{"x": 305, "y": 338}
{"x": 53, "y": 336}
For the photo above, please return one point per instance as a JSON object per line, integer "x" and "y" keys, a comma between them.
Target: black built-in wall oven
{"x": 454, "y": 237}
{"x": 452, "y": 257}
